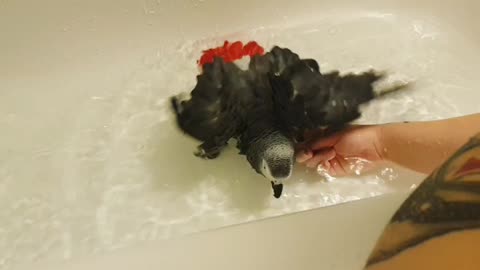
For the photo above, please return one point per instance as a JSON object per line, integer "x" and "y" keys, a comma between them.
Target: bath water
{"x": 125, "y": 173}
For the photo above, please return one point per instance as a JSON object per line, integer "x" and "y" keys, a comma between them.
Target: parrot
{"x": 269, "y": 106}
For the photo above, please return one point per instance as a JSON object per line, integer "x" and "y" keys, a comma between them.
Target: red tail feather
{"x": 231, "y": 52}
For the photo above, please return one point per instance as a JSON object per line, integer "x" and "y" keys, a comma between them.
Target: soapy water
{"x": 127, "y": 174}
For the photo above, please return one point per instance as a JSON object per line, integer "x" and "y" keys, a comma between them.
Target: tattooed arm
{"x": 438, "y": 226}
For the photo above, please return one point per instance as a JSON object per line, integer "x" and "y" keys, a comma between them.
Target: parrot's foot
{"x": 299, "y": 138}
{"x": 207, "y": 154}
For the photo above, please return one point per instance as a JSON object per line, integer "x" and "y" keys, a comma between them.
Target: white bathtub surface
{"x": 333, "y": 238}
{"x": 91, "y": 162}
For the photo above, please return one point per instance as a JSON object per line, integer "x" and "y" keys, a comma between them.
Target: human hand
{"x": 349, "y": 151}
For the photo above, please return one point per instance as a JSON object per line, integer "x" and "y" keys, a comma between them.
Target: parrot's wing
{"x": 299, "y": 92}
{"x": 208, "y": 114}
{"x": 307, "y": 99}
{"x": 286, "y": 105}
{"x": 346, "y": 94}
{"x": 289, "y": 107}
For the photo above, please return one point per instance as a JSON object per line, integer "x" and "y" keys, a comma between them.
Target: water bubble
{"x": 389, "y": 174}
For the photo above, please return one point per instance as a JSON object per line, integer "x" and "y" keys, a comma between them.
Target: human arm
{"x": 438, "y": 226}
{"x": 420, "y": 146}
{"x": 423, "y": 146}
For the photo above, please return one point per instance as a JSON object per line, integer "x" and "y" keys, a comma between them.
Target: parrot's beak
{"x": 277, "y": 190}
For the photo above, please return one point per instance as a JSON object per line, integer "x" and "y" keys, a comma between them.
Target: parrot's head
{"x": 273, "y": 156}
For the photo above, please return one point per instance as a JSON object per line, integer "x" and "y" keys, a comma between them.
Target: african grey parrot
{"x": 268, "y": 107}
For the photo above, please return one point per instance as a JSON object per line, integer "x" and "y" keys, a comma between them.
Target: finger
{"x": 337, "y": 168}
{"x": 325, "y": 167}
{"x": 325, "y": 142}
{"x": 331, "y": 139}
{"x": 347, "y": 165}
{"x": 321, "y": 157}
{"x": 304, "y": 155}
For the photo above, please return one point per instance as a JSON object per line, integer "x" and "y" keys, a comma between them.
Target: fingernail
{"x": 307, "y": 152}
{"x": 300, "y": 157}
{"x": 303, "y": 155}
{"x": 328, "y": 168}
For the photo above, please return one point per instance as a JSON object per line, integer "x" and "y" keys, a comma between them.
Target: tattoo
{"x": 447, "y": 201}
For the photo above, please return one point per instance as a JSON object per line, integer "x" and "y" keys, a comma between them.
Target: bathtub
{"x": 87, "y": 179}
